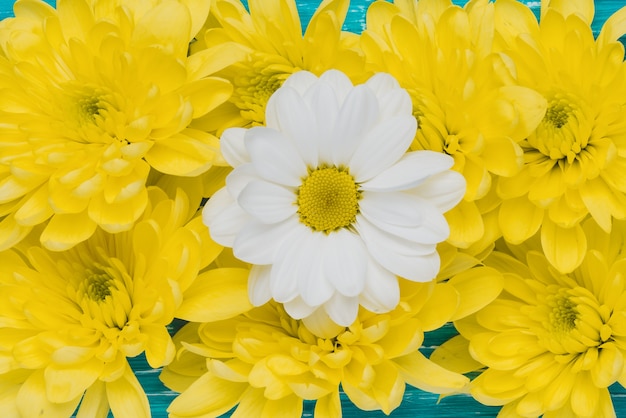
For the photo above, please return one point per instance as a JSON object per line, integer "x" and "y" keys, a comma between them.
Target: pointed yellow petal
{"x": 564, "y": 248}
{"x": 66, "y": 230}
{"x": 519, "y": 219}
{"x": 422, "y": 373}
{"x": 127, "y": 397}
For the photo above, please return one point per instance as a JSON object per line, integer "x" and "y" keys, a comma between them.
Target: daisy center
{"x": 328, "y": 199}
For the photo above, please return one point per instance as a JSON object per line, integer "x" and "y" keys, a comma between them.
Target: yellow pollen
{"x": 328, "y": 199}
{"x": 98, "y": 286}
{"x": 557, "y": 114}
{"x": 564, "y": 314}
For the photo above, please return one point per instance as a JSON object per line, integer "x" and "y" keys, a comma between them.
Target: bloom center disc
{"x": 563, "y": 133}
{"x": 97, "y": 286}
{"x": 563, "y": 315}
{"x": 328, "y": 199}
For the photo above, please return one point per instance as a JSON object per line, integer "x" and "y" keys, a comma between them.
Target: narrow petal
{"x": 259, "y": 290}
{"x": 339, "y": 82}
{"x": 409, "y": 171}
{"x": 300, "y": 81}
{"x": 95, "y": 403}
{"x": 370, "y": 159}
{"x": 207, "y": 396}
{"x": 258, "y": 243}
{"x": 32, "y": 401}
{"x": 66, "y": 230}
{"x": 398, "y": 255}
{"x": 239, "y": 178}
{"x": 225, "y": 226}
{"x": 215, "y": 295}
{"x": 422, "y": 373}
{"x": 324, "y": 107}
{"x": 293, "y": 116}
{"x": 565, "y": 248}
{"x": 357, "y": 116}
{"x": 444, "y": 190}
{"x": 275, "y": 157}
{"x": 345, "y": 261}
{"x": 127, "y": 397}
{"x": 407, "y": 217}
{"x": 66, "y": 383}
{"x": 342, "y": 309}
{"x": 382, "y": 292}
{"x": 314, "y": 286}
{"x": 233, "y": 146}
{"x": 297, "y": 308}
{"x": 267, "y": 202}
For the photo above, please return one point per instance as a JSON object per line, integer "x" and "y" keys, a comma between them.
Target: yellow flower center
{"x": 564, "y": 132}
{"x": 563, "y": 315}
{"x": 254, "y": 86}
{"x": 97, "y": 286}
{"x": 328, "y": 199}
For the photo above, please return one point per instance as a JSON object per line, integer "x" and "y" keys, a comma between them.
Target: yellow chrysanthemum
{"x": 464, "y": 96}
{"x": 265, "y": 46}
{"x": 552, "y": 343}
{"x": 267, "y": 363}
{"x": 93, "y": 97}
{"x": 574, "y": 161}
{"x": 69, "y": 320}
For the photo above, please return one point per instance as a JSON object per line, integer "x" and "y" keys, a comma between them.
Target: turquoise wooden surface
{"x": 416, "y": 403}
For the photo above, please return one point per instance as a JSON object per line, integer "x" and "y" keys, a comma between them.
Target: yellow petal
{"x": 66, "y": 230}
{"x": 585, "y": 396}
{"x": 208, "y": 395}
{"x": 180, "y": 155}
{"x": 476, "y": 287}
{"x": 454, "y": 355}
{"x": 66, "y": 383}
{"x": 206, "y": 94}
{"x": 328, "y": 406}
{"x": 564, "y": 248}
{"x": 614, "y": 27}
{"x": 608, "y": 367}
{"x": 440, "y": 307}
{"x": 422, "y": 373}
{"x": 32, "y": 400}
{"x": 519, "y": 219}
{"x": 94, "y": 404}
{"x": 215, "y": 295}
{"x": 126, "y": 396}
{"x": 466, "y": 224}
{"x": 582, "y": 8}
{"x": 160, "y": 349}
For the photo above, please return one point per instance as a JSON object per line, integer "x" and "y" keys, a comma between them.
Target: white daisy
{"x": 326, "y": 203}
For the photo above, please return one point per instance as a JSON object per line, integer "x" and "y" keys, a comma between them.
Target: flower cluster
{"x": 309, "y": 204}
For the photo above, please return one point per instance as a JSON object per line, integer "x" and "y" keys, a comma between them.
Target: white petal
{"x": 298, "y": 309}
{"x": 233, "y": 148}
{"x": 382, "y": 146}
{"x": 324, "y": 106}
{"x": 220, "y": 201}
{"x": 398, "y": 255}
{"x": 297, "y": 122}
{"x": 227, "y": 225}
{"x": 444, "y": 190}
{"x": 356, "y": 117}
{"x": 239, "y": 178}
{"x": 382, "y": 292}
{"x": 339, "y": 82}
{"x": 342, "y": 309}
{"x": 345, "y": 261}
{"x": 259, "y": 285}
{"x": 393, "y": 99}
{"x": 313, "y": 287}
{"x": 275, "y": 157}
{"x": 291, "y": 260}
{"x": 300, "y": 81}
{"x": 406, "y": 216}
{"x": 267, "y": 202}
{"x": 258, "y": 243}
{"x": 409, "y": 171}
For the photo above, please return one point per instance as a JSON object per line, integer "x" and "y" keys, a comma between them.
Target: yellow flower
{"x": 464, "y": 96}
{"x": 69, "y": 320}
{"x": 574, "y": 160}
{"x": 266, "y": 363}
{"x": 552, "y": 342}
{"x": 266, "y": 45}
{"x": 94, "y": 96}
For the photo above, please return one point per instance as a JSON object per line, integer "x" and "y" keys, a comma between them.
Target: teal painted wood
{"x": 416, "y": 403}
